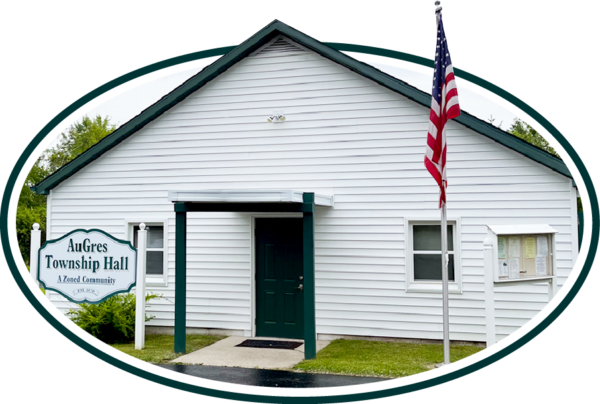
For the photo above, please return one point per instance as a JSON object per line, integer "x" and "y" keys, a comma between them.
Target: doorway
{"x": 279, "y": 278}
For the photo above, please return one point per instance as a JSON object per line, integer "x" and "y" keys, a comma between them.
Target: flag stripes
{"x": 444, "y": 106}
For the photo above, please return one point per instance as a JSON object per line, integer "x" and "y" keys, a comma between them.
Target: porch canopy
{"x": 248, "y": 201}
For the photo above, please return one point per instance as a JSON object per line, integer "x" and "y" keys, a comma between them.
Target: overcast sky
{"x": 128, "y": 104}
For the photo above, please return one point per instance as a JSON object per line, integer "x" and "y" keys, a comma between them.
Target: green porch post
{"x": 180, "y": 277}
{"x": 308, "y": 245}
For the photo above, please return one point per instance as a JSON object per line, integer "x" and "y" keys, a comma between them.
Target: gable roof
{"x": 258, "y": 40}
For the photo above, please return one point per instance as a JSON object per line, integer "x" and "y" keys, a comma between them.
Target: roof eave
{"x": 514, "y": 143}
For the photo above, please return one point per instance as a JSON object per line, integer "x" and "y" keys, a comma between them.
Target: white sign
{"x": 513, "y": 268}
{"x": 540, "y": 265}
{"x": 502, "y": 268}
{"x": 87, "y": 266}
{"x": 542, "y": 245}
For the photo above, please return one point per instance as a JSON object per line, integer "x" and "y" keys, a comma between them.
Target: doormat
{"x": 261, "y": 343}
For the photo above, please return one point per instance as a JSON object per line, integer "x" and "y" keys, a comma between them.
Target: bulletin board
{"x": 523, "y": 253}
{"x": 524, "y": 256}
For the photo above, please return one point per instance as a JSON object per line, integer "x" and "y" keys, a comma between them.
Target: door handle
{"x": 301, "y": 287}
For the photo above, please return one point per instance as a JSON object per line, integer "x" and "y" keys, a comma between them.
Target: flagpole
{"x": 444, "y": 230}
{"x": 445, "y": 311}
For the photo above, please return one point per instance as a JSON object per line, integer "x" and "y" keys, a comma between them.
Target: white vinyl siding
{"x": 343, "y": 135}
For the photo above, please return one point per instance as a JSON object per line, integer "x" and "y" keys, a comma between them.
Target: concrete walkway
{"x": 225, "y": 353}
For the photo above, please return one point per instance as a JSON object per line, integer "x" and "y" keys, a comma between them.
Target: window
{"x": 424, "y": 256}
{"x": 156, "y": 252}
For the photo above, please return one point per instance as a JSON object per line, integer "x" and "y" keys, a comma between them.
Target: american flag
{"x": 444, "y": 106}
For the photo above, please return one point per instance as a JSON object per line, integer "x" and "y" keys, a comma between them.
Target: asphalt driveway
{"x": 269, "y": 378}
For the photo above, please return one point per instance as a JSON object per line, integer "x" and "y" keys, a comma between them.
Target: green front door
{"x": 279, "y": 294}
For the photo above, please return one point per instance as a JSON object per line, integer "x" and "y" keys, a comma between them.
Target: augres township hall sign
{"x": 87, "y": 266}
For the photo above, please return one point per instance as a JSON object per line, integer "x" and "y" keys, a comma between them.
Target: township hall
{"x": 285, "y": 195}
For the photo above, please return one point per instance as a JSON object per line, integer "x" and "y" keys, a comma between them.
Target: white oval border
{"x": 304, "y": 392}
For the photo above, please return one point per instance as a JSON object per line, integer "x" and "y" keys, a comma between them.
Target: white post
{"x": 552, "y": 289}
{"x": 36, "y": 240}
{"x": 140, "y": 290}
{"x": 488, "y": 270}
{"x": 553, "y": 284}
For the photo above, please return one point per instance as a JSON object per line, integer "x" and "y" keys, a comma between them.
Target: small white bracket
{"x": 278, "y": 116}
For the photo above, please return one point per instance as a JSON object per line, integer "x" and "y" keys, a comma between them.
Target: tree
{"x": 31, "y": 208}
{"x": 522, "y": 130}
{"x": 79, "y": 137}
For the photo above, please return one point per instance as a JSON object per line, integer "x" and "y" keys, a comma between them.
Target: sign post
{"x": 140, "y": 290}
{"x": 36, "y": 238}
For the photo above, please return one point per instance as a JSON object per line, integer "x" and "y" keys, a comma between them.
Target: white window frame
{"x": 431, "y": 286}
{"x": 153, "y": 280}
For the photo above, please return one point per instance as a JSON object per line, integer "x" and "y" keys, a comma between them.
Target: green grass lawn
{"x": 346, "y": 357}
{"x": 383, "y": 359}
{"x": 159, "y": 348}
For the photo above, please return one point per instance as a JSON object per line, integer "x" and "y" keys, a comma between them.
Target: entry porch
{"x": 253, "y": 201}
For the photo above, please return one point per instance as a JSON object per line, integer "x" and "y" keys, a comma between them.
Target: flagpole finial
{"x": 438, "y": 8}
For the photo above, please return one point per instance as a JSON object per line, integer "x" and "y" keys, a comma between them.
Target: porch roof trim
{"x": 501, "y": 229}
{"x": 247, "y": 196}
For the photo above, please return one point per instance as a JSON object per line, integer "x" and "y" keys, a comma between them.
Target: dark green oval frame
{"x": 342, "y": 46}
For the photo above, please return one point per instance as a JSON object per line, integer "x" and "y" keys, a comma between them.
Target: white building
{"x": 354, "y": 139}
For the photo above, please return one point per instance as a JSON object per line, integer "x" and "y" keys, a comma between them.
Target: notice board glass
{"x": 524, "y": 256}
{"x": 523, "y": 252}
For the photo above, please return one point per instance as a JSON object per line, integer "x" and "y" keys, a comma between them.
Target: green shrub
{"x": 112, "y": 321}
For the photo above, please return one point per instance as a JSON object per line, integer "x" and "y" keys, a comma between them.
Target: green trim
{"x": 514, "y": 143}
{"x": 328, "y": 50}
{"x": 240, "y": 207}
{"x": 180, "y": 280}
{"x": 308, "y": 262}
{"x": 56, "y": 240}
